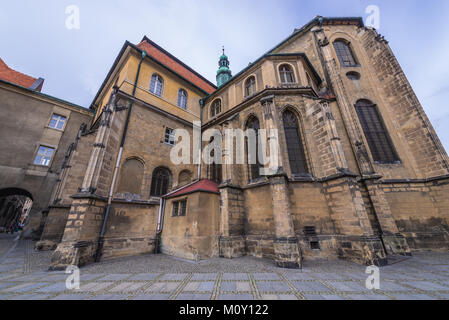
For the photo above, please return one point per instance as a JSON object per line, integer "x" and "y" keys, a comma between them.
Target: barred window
{"x": 157, "y": 83}
{"x": 376, "y": 134}
{"x": 160, "y": 182}
{"x": 295, "y": 147}
{"x": 286, "y": 74}
{"x": 182, "y": 99}
{"x": 344, "y": 53}
{"x": 250, "y": 86}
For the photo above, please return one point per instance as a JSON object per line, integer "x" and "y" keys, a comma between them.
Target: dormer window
{"x": 286, "y": 74}
{"x": 215, "y": 108}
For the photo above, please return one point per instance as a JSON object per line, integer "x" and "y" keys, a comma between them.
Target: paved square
{"x": 24, "y": 275}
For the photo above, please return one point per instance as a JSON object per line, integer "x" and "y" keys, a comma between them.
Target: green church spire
{"x": 223, "y": 73}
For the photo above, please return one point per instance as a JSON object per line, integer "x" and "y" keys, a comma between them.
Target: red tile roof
{"x": 176, "y": 65}
{"x": 10, "y": 75}
{"x": 199, "y": 186}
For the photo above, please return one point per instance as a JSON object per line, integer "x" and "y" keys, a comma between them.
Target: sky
{"x": 74, "y": 62}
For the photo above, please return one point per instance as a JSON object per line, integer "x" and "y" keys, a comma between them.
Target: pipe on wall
{"x": 117, "y": 164}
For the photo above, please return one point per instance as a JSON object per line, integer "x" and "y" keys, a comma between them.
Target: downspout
{"x": 160, "y": 220}
{"x": 201, "y": 140}
{"x": 114, "y": 177}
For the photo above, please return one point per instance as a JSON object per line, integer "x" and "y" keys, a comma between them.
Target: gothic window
{"x": 215, "y": 108}
{"x": 253, "y": 164}
{"x": 215, "y": 169}
{"x": 344, "y": 53}
{"x": 160, "y": 182}
{"x": 376, "y": 134}
{"x": 286, "y": 74}
{"x": 250, "y": 86}
{"x": 182, "y": 99}
{"x": 157, "y": 83}
{"x": 131, "y": 175}
{"x": 295, "y": 147}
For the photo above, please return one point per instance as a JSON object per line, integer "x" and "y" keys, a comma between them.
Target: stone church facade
{"x": 362, "y": 174}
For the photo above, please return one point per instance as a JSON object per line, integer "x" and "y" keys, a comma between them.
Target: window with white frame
{"x": 170, "y": 136}
{"x": 57, "y": 122}
{"x": 43, "y": 156}
{"x": 182, "y": 99}
{"x": 156, "y": 85}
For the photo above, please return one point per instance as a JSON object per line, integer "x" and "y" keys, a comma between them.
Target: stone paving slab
{"x": 24, "y": 275}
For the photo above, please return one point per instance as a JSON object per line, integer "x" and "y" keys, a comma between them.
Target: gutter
{"x": 111, "y": 191}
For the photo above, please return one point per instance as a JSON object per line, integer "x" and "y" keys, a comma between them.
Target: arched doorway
{"x": 15, "y": 208}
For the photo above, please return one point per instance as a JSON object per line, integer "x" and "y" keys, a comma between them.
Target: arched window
{"x": 253, "y": 151}
{"x": 131, "y": 175}
{"x": 295, "y": 147}
{"x": 182, "y": 99}
{"x": 160, "y": 181}
{"x": 376, "y": 134}
{"x": 214, "y": 170}
{"x": 286, "y": 74}
{"x": 344, "y": 53}
{"x": 215, "y": 108}
{"x": 250, "y": 86}
{"x": 185, "y": 177}
{"x": 157, "y": 83}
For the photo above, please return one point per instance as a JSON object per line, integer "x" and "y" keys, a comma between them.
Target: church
{"x": 362, "y": 175}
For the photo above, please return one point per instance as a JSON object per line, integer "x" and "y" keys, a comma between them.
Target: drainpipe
{"x": 114, "y": 177}
{"x": 201, "y": 140}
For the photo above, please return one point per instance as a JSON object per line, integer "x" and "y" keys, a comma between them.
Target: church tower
{"x": 223, "y": 73}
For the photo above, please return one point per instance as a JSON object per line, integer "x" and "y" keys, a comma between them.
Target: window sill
{"x": 396, "y": 163}
{"x": 56, "y": 129}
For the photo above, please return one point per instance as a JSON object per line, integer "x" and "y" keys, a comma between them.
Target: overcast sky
{"x": 36, "y": 41}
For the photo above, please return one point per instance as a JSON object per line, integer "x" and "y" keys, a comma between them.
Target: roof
{"x": 199, "y": 186}
{"x": 315, "y": 21}
{"x": 18, "y": 78}
{"x": 175, "y": 64}
{"x": 43, "y": 95}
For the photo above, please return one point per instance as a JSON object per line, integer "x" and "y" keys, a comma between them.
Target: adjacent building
{"x": 36, "y": 132}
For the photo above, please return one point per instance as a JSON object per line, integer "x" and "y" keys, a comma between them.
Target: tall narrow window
{"x": 286, "y": 74}
{"x": 376, "y": 134}
{"x": 43, "y": 156}
{"x": 252, "y": 151}
{"x": 344, "y": 53}
{"x": 156, "y": 85}
{"x": 215, "y": 108}
{"x": 182, "y": 99}
{"x": 250, "y": 86}
{"x": 160, "y": 182}
{"x": 295, "y": 147}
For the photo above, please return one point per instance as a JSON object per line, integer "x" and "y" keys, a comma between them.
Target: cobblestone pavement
{"x": 24, "y": 275}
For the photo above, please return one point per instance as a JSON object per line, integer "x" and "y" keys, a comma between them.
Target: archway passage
{"x": 15, "y": 207}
